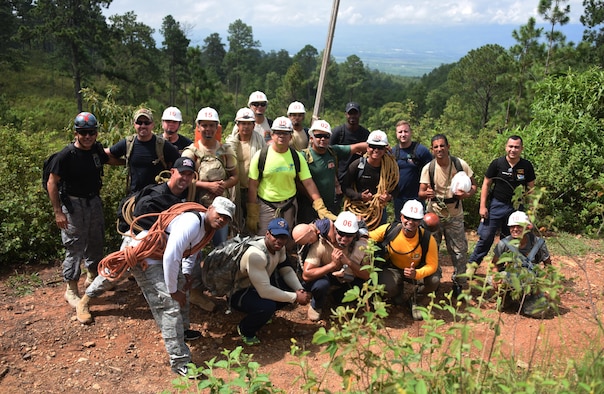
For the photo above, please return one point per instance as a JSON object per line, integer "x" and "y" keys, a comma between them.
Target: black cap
{"x": 352, "y": 105}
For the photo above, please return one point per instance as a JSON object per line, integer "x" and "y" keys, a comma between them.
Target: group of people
{"x": 268, "y": 176}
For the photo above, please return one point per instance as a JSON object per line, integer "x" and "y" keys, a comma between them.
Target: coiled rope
{"x": 152, "y": 245}
{"x": 371, "y": 211}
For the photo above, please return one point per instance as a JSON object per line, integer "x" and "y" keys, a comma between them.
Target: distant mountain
{"x": 403, "y": 50}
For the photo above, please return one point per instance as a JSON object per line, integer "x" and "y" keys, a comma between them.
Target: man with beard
{"x": 170, "y": 123}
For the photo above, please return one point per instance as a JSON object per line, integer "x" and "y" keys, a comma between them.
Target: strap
{"x": 262, "y": 160}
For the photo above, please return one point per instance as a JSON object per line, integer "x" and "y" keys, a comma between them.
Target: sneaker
{"x": 191, "y": 335}
{"x": 313, "y": 314}
{"x": 187, "y": 373}
{"x": 250, "y": 341}
{"x": 415, "y": 312}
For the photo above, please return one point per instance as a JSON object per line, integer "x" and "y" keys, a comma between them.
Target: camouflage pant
{"x": 457, "y": 245}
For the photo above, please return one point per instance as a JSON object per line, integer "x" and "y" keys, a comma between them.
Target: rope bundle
{"x": 371, "y": 211}
{"x": 152, "y": 245}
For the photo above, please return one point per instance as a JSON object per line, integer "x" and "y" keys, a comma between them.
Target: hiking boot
{"x": 197, "y": 297}
{"x": 191, "y": 335}
{"x": 415, "y": 312}
{"x": 71, "y": 294}
{"x": 82, "y": 312}
{"x": 187, "y": 373}
{"x": 250, "y": 341}
{"x": 457, "y": 289}
{"x": 313, "y": 314}
{"x": 89, "y": 278}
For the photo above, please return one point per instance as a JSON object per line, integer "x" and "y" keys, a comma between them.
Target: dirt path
{"x": 43, "y": 349}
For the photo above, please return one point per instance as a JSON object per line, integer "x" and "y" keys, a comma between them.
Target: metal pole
{"x": 326, "y": 56}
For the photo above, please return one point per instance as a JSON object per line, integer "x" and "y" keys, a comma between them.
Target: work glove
{"x": 322, "y": 210}
{"x": 253, "y": 217}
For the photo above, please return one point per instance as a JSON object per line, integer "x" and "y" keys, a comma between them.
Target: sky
{"x": 447, "y": 29}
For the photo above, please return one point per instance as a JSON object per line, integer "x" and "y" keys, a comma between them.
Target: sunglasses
{"x": 259, "y": 104}
{"x": 143, "y": 122}
{"x": 377, "y": 147}
{"x": 87, "y": 132}
{"x": 412, "y": 219}
{"x": 344, "y": 235}
{"x": 322, "y": 136}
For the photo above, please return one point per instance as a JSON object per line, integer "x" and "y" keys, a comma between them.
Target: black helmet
{"x": 85, "y": 121}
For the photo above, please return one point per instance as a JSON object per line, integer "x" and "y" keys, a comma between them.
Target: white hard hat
{"x": 296, "y": 108}
{"x": 519, "y": 218}
{"x": 347, "y": 222}
{"x": 377, "y": 137}
{"x": 207, "y": 113}
{"x": 256, "y": 96}
{"x": 282, "y": 123}
{"x": 245, "y": 115}
{"x": 461, "y": 181}
{"x": 172, "y": 113}
{"x": 413, "y": 209}
{"x": 320, "y": 125}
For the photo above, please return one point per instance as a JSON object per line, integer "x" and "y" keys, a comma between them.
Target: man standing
{"x": 145, "y": 154}
{"x": 435, "y": 188}
{"x": 170, "y": 123}
{"x": 505, "y": 174}
{"x": 411, "y": 256}
{"x": 73, "y": 187}
{"x": 262, "y": 293}
{"x": 322, "y": 161}
{"x": 245, "y": 143}
{"x": 335, "y": 261}
{"x": 296, "y": 113}
{"x": 272, "y": 181}
{"x": 259, "y": 103}
{"x": 411, "y": 157}
{"x": 348, "y": 133}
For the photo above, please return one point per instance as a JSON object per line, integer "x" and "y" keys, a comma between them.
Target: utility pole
{"x": 326, "y": 56}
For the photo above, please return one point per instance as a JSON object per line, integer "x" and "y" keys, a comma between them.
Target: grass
{"x": 24, "y": 284}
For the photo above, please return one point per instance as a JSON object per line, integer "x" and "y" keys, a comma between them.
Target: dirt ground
{"x": 44, "y": 349}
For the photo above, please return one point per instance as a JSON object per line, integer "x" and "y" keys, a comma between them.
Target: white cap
{"x": 172, "y": 113}
{"x": 245, "y": 115}
{"x": 519, "y": 218}
{"x": 207, "y": 113}
{"x": 282, "y": 123}
{"x": 377, "y": 137}
{"x": 413, "y": 209}
{"x": 224, "y": 206}
{"x": 256, "y": 96}
{"x": 461, "y": 181}
{"x": 320, "y": 125}
{"x": 296, "y": 108}
{"x": 347, "y": 222}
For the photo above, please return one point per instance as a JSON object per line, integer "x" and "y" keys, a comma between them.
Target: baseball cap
{"x": 278, "y": 226}
{"x": 143, "y": 112}
{"x": 172, "y": 113}
{"x": 184, "y": 164}
{"x": 352, "y": 105}
{"x": 377, "y": 137}
{"x": 224, "y": 206}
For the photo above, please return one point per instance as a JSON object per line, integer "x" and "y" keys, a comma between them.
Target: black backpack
{"x": 72, "y": 149}
{"x": 392, "y": 231}
{"x": 262, "y": 160}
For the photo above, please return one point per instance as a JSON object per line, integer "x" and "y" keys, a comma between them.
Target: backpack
{"x": 412, "y": 156}
{"x": 159, "y": 151}
{"x": 262, "y": 160}
{"x": 210, "y": 167}
{"x": 392, "y": 231}
{"x": 220, "y": 267}
{"x": 432, "y": 167}
{"x": 330, "y": 150}
{"x": 72, "y": 149}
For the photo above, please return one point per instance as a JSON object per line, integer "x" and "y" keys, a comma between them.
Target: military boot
{"x": 82, "y": 311}
{"x": 71, "y": 294}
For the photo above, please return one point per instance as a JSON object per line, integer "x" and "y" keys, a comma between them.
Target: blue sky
{"x": 440, "y": 28}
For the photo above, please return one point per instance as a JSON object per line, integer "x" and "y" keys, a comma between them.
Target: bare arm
{"x": 53, "y": 193}
{"x": 484, "y": 192}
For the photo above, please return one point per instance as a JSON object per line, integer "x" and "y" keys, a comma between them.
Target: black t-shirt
{"x": 368, "y": 180}
{"x": 506, "y": 178}
{"x": 154, "y": 199}
{"x": 181, "y": 143}
{"x": 80, "y": 170}
{"x": 144, "y": 163}
{"x": 341, "y": 135}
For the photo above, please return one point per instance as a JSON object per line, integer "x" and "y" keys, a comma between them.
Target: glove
{"x": 253, "y": 217}
{"x": 322, "y": 210}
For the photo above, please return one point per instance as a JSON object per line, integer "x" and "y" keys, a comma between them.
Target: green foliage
{"x": 564, "y": 142}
